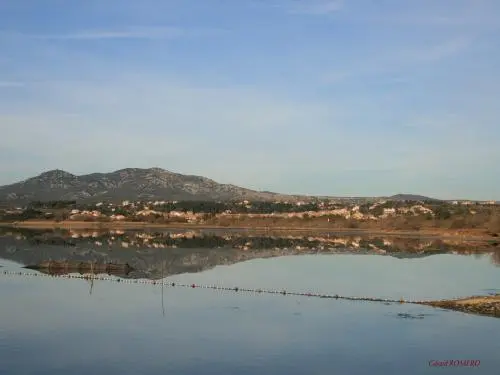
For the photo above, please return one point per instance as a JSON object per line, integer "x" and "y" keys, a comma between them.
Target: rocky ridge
{"x": 129, "y": 183}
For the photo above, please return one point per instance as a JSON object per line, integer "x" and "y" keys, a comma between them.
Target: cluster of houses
{"x": 191, "y": 217}
{"x": 470, "y": 203}
{"x": 136, "y": 211}
{"x": 127, "y": 210}
{"x": 349, "y": 211}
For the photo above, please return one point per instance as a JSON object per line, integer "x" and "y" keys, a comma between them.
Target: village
{"x": 201, "y": 212}
{"x": 150, "y": 210}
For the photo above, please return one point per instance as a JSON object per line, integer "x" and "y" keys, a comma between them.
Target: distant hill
{"x": 130, "y": 183}
{"x": 146, "y": 184}
{"x": 410, "y": 197}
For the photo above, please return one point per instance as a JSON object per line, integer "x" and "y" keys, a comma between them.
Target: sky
{"x": 323, "y": 97}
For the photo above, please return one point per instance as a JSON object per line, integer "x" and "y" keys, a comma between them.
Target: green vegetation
{"x": 52, "y": 204}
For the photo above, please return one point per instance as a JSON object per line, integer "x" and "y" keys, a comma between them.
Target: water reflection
{"x": 159, "y": 254}
{"x": 91, "y": 326}
{"x": 495, "y": 257}
{"x": 70, "y": 326}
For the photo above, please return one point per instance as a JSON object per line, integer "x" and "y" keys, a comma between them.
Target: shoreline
{"x": 464, "y": 235}
{"x": 478, "y": 305}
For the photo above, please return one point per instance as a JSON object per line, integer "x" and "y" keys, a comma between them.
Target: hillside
{"x": 148, "y": 184}
{"x": 410, "y": 197}
{"x": 130, "y": 183}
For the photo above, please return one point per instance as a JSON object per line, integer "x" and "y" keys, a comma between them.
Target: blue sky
{"x": 353, "y": 97}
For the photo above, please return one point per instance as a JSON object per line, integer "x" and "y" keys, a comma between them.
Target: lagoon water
{"x": 60, "y": 326}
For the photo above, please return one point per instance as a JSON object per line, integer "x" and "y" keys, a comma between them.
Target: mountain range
{"x": 129, "y": 183}
{"x": 136, "y": 184}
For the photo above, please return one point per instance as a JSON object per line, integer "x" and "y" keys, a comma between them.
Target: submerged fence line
{"x": 284, "y": 292}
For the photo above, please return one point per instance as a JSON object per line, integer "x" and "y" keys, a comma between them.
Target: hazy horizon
{"x": 316, "y": 97}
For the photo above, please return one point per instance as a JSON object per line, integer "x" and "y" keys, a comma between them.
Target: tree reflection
{"x": 495, "y": 258}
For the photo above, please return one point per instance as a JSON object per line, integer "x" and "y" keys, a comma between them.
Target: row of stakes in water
{"x": 215, "y": 287}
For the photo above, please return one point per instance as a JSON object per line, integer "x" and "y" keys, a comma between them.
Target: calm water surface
{"x": 56, "y": 326}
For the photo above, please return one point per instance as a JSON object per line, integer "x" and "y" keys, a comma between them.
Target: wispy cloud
{"x": 161, "y": 32}
{"x": 395, "y": 60}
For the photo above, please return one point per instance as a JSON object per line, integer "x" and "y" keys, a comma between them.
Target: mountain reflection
{"x": 158, "y": 254}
